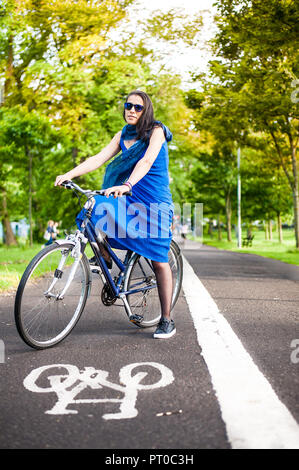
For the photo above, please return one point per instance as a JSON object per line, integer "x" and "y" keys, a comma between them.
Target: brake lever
{"x": 67, "y": 184}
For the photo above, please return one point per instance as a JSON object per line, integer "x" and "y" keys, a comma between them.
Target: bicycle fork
{"x": 79, "y": 245}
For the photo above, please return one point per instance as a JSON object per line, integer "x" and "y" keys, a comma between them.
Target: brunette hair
{"x": 146, "y": 123}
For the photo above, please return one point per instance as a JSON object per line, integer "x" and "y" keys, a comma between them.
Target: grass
{"x": 285, "y": 251}
{"x": 13, "y": 262}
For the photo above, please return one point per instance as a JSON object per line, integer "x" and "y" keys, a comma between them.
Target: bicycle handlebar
{"x": 68, "y": 184}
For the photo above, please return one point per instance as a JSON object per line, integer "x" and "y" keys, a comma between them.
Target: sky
{"x": 188, "y": 5}
{"x": 186, "y": 59}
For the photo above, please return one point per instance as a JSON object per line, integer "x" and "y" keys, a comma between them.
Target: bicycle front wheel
{"x": 145, "y": 303}
{"x": 44, "y": 314}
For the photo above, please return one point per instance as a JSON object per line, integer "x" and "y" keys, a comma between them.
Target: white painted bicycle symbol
{"x": 68, "y": 386}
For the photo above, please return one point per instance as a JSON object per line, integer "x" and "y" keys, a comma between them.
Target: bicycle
{"x": 54, "y": 288}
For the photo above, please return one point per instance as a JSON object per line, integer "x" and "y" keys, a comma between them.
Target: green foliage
{"x": 65, "y": 79}
{"x": 258, "y": 46}
{"x": 247, "y": 102}
{"x": 173, "y": 25}
{"x": 22, "y": 135}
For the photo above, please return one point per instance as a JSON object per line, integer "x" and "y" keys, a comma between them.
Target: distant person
{"x": 175, "y": 225}
{"x": 55, "y": 231}
{"x": 184, "y": 231}
{"x": 49, "y": 233}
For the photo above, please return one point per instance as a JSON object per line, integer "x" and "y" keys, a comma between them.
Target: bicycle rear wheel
{"x": 140, "y": 274}
{"x": 42, "y": 318}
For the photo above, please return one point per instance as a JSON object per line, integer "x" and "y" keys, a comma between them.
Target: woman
{"x": 143, "y": 140}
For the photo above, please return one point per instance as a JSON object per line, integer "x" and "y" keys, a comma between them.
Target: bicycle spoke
{"x": 146, "y": 303}
{"x": 44, "y": 320}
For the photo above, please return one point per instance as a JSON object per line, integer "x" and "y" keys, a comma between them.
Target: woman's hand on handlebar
{"x": 116, "y": 190}
{"x": 61, "y": 178}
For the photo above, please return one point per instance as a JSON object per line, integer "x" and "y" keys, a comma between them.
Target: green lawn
{"x": 13, "y": 262}
{"x": 285, "y": 251}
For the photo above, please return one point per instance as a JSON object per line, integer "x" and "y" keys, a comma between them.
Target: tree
{"x": 265, "y": 193}
{"x": 24, "y": 139}
{"x": 58, "y": 60}
{"x": 219, "y": 112}
{"x": 257, "y": 43}
{"x": 42, "y": 43}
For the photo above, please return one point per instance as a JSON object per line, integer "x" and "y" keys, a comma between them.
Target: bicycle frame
{"x": 92, "y": 238}
{"x": 90, "y": 234}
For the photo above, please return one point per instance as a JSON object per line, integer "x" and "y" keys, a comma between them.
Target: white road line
{"x": 254, "y": 416}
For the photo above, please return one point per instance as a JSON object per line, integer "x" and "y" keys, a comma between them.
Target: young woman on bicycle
{"x": 145, "y": 139}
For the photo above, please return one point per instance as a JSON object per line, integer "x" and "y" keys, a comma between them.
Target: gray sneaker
{"x": 165, "y": 329}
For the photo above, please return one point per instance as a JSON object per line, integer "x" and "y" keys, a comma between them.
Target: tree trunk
{"x": 279, "y": 228}
{"x": 30, "y": 201}
{"x": 9, "y": 68}
{"x": 295, "y": 188}
{"x": 266, "y": 230}
{"x": 210, "y": 232}
{"x": 296, "y": 216}
{"x": 219, "y": 228}
{"x": 8, "y": 235}
{"x": 270, "y": 229}
{"x": 29, "y": 156}
{"x": 228, "y": 211}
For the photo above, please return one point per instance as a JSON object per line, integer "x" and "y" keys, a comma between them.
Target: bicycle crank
{"x": 107, "y": 296}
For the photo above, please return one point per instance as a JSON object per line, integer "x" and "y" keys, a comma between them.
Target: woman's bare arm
{"x": 94, "y": 162}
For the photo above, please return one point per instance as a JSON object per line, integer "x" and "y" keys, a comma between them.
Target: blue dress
{"x": 140, "y": 222}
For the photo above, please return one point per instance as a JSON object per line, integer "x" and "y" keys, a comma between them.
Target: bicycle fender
{"x": 62, "y": 241}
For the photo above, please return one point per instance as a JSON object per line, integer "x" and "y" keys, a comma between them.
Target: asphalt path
{"x": 260, "y": 299}
{"x": 175, "y": 406}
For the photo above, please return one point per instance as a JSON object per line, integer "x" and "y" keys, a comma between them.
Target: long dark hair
{"x": 146, "y": 123}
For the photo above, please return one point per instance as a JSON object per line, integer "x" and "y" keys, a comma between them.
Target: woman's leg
{"x": 164, "y": 283}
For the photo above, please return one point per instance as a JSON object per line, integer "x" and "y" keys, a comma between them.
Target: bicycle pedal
{"x": 136, "y": 318}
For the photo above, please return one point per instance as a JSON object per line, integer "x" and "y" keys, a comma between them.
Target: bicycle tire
{"x": 33, "y": 282}
{"x": 138, "y": 271}
{"x": 179, "y": 259}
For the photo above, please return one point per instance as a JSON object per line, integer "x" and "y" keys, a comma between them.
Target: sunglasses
{"x": 138, "y": 107}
